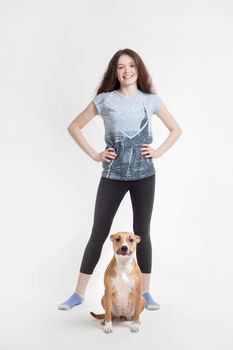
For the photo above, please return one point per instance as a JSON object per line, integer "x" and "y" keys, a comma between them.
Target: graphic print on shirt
{"x": 130, "y": 163}
{"x": 127, "y": 126}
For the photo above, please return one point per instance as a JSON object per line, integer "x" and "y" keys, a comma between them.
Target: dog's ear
{"x": 111, "y": 237}
{"x": 138, "y": 238}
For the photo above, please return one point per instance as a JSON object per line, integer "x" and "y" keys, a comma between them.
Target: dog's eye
{"x": 131, "y": 240}
{"x": 118, "y": 239}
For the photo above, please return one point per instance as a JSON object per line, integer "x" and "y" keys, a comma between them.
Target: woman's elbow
{"x": 71, "y": 127}
{"x": 178, "y": 131}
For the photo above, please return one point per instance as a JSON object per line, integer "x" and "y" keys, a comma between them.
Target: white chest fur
{"x": 123, "y": 283}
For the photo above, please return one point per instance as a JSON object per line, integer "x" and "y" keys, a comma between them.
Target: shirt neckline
{"x": 127, "y": 98}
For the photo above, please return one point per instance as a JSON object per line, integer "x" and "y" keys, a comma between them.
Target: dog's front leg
{"x": 108, "y": 316}
{"x": 135, "y": 323}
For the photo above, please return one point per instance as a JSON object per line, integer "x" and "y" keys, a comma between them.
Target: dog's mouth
{"x": 124, "y": 253}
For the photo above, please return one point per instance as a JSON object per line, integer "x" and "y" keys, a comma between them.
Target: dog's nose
{"x": 124, "y": 248}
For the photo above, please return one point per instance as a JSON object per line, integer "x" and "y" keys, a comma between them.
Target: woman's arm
{"x": 78, "y": 123}
{"x": 175, "y": 132}
{"x": 75, "y": 131}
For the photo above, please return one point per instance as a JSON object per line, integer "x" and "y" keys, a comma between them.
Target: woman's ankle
{"x": 79, "y": 293}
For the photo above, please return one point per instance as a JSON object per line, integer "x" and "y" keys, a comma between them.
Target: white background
{"x": 53, "y": 56}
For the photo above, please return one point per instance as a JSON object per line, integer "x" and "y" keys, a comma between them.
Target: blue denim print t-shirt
{"x": 127, "y": 124}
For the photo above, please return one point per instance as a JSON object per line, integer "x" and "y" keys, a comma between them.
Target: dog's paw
{"x": 134, "y": 327}
{"x": 108, "y": 327}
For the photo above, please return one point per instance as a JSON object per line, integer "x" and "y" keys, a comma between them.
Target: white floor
{"x": 191, "y": 317}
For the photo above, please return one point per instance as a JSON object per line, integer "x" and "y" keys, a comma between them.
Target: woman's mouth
{"x": 128, "y": 76}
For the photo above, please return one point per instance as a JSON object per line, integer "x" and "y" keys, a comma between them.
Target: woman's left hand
{"x": 148, "y": 152}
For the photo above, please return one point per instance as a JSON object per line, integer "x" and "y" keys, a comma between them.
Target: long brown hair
{"x": 110, "y": 81}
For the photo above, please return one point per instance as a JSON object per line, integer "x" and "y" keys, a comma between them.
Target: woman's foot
{"x": 151, "y": 304}
{"x": 74, "y": 300}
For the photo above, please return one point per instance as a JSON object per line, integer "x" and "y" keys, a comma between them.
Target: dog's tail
{"x": 98, "y": 316}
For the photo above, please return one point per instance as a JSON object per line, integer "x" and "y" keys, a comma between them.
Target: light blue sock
{"x": 74, "y": 299}
{"x": 151, "y": 303}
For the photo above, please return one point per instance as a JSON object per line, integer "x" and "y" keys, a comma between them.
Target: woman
{"x": 126, "y": 101}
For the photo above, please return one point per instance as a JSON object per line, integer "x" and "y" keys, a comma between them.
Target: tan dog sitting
{"x": 123, "y": 284}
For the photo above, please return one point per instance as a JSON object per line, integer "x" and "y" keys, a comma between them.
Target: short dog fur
{"x": 123, "y": 284}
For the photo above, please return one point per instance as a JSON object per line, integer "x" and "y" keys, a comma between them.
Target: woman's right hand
{"x": 107, "y": 155}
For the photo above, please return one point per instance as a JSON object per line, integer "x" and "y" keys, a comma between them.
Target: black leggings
{"x": 109, "y": 196}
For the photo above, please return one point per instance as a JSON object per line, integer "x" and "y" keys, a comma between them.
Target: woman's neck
{"x": 128, "y": 91}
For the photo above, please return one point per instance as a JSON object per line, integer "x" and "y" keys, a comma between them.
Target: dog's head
{"x": 124, "y": 243}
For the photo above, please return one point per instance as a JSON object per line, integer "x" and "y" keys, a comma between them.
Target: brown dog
{"x": 123, "y": 284}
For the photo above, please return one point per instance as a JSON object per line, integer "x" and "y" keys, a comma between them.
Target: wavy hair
{"x": 110, "y": 81}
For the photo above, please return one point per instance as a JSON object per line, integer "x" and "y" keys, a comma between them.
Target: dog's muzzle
{"x": 124, "y": 250}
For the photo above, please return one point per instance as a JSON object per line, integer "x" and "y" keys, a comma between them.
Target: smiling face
{"x": 127, "y": 72}
{"x": 124, "y": 243}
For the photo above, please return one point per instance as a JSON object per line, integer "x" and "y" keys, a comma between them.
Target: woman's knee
{"x": 98, "y": 235}
{"x": 143, "y": 232}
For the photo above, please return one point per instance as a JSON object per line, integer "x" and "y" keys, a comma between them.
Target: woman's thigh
{"x": 109, "y": 196}
{"x": 142, "y": 198}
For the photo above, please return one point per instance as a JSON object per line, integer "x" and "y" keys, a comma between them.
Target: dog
{"x": 123, "y": 284}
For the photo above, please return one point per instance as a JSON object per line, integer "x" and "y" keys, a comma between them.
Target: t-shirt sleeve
{"x": 156, "y": 101}
{"x": 99, "y": 102}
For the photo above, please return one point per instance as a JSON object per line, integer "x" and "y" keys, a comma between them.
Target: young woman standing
{"x": 126, "y": 101}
